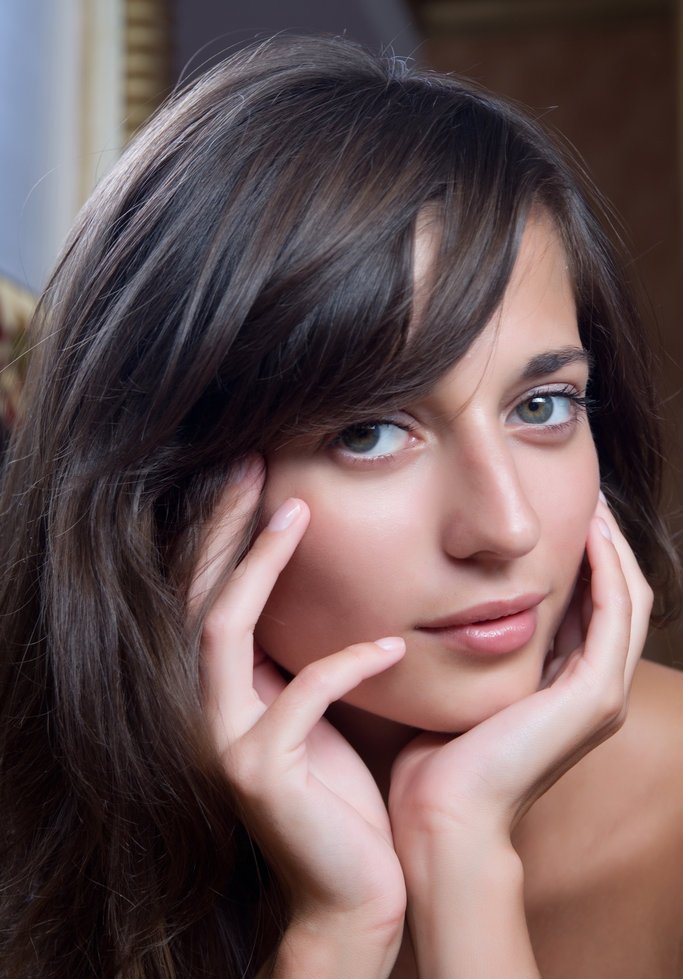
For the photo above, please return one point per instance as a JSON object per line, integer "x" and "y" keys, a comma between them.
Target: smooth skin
{"x": 441, "y": 847}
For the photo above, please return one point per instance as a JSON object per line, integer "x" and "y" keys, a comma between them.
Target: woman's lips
{"x": 494, "y": 633}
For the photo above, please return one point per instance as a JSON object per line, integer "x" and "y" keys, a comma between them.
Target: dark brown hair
{"x": 244, "y": 273}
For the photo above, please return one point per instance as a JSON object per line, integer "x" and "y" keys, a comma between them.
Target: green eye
{"x": 540, "y": 409}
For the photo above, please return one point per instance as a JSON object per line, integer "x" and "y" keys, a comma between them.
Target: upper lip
{"x": 486, "y": 612}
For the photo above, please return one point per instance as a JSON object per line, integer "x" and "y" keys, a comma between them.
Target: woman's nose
{"x": 489, "y": 512}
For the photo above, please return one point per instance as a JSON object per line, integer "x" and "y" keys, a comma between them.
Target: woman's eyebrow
{"x": 554, "y": 360}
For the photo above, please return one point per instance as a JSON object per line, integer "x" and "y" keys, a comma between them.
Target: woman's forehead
{"x": 433, "y": 268}
{"x": 536, "y": 313}
{"x": 428, "y": 229}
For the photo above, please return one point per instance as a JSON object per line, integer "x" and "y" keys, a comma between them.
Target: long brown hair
{"x": 244, "y": 273}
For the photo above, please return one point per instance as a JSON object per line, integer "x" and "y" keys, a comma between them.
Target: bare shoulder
{"x": 651, "y": 741}
{"x": 649, "y": 750}
{"x": 631, "y": 786}
{"x": 658, "y": 688}
{"x": 655, "y": 682}
{"x": 636, "y": 776}
{"x": 603, "y": 848}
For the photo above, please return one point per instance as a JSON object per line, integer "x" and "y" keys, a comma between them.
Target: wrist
{"x": 443, "y": 846}
{"x": 327, "y": 944}
{"x": 466, "y": 913}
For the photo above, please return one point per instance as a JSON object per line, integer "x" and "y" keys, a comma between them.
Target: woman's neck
{"x": 377, "y": 740}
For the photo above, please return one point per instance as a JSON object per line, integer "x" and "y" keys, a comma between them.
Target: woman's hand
{"x": 306, "y": 797}
{"x": 453, "y": 803}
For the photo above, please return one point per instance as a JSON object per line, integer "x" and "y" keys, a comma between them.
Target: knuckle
{"x": 647, "y": 595}
{"x": 314, "y": 677}
{"x": 613, "y": 723}
{"x": 214, "y": 628}
{"x": 244, "y": 765}
{"x": 611, "y": 704}
{"x": 604, "y": 698}
{"x": 621, "y": 717}
{"x": 622, "y": 603}
{"x": 218, "y": 626}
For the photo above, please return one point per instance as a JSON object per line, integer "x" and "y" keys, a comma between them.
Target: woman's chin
{"x": 441, "y": 714}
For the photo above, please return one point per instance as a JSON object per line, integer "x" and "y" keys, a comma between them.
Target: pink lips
{"x": 491, "y": 629}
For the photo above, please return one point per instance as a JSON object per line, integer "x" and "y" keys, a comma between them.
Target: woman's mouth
{"x": 493, "y": 629}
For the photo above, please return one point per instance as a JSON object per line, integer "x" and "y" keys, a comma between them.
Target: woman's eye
{"x": 371, "y": 440}
{"x": 547, "y": 409}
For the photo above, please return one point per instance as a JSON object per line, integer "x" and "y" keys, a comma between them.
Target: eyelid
{"x": 399, "y": 418}
{"x": 406, "y": 426}
{"x": 558, "y": 388}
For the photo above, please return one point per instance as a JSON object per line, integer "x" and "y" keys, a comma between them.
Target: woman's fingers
{"x": 226, "y": 530}
{"x": 268, "y": 681}
{"x": 245, "y": 594}
{"x": 616, "y": 597}
{"x": 586, "y": 701}
{"x": 498, "y": 768}
{"x": 600, "y": 670}
{"x": 228, "y": 670}
{"x": 227, "y": 641}
{"x": 302, "y": 703}
{"x": 572, "y": 629}
{"x": 276, "y": 745}
{"x": 640, "y": 592}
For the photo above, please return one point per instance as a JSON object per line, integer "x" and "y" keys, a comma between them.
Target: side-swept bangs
{"x": 331, "y": 333}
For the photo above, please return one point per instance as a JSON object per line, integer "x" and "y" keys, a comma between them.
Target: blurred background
{"x": 78, "y": 77}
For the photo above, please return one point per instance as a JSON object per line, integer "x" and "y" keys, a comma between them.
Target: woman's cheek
{"x": 343, "y": 583}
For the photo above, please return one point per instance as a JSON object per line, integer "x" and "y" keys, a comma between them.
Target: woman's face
{"x": 479, "y": 494}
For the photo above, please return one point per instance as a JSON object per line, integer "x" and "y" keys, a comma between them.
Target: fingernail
{"x": 604, "y": 529}
{"x": 391, "y": 643}
{"x": 285, "y": 515}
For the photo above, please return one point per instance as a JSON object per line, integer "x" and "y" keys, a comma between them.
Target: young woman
{"x": 316, "y": 624}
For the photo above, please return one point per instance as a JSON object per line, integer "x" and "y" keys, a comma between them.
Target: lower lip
{"x": 491, "y": 638}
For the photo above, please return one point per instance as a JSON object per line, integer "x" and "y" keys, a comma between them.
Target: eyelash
{"x": 581, "y": 407}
